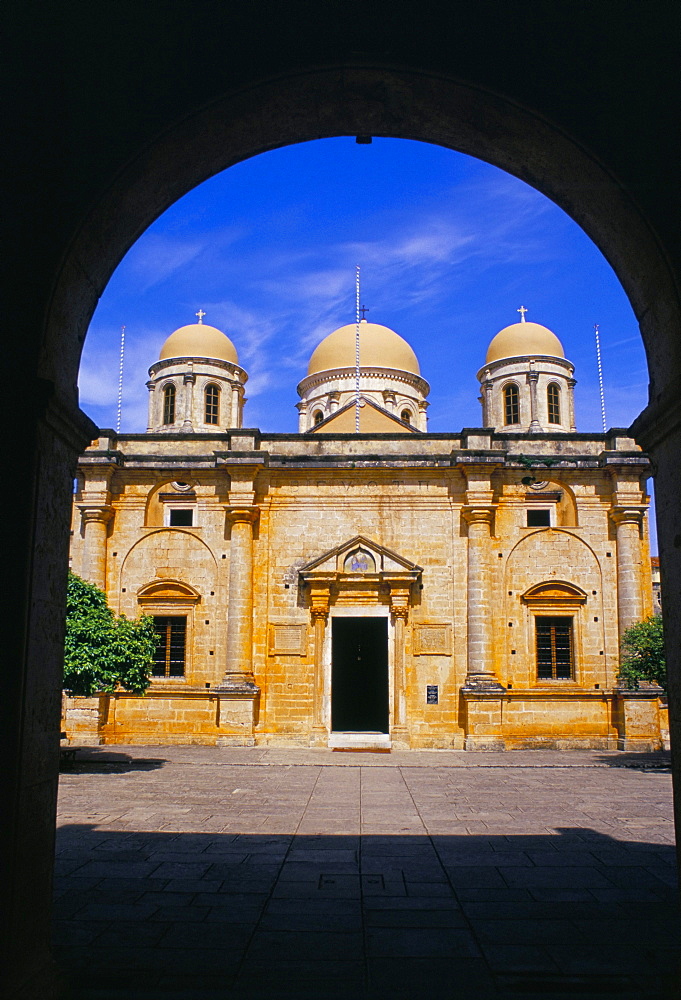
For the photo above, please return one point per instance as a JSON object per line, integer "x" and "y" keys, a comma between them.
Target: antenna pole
{"x": 600, "y": 374}
{"x": 120, "y": 382}
{"x": 357, "y": 350}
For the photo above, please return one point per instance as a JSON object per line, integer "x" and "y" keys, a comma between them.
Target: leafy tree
{"x": 101, "y": 650}
{"x": 643, "y": 654}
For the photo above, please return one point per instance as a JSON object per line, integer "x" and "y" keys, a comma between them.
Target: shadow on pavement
{"x": 661, "y": 760}
{"x": 91, "y": 760}
{"x": 148, "y": 915}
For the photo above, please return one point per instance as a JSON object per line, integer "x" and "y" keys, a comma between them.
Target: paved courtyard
{"x": 193, "y": 872}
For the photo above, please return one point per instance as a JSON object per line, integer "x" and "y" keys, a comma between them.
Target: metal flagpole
{"x": 357, "y": 351}
{"x": 600, "y": 375}
{"x": 120, "y": 382}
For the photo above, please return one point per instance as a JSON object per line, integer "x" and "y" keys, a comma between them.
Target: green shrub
{"x": 102, "y": 651}
{"x": 642, "y": 655}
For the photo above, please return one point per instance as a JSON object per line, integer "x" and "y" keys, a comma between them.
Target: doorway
{"x": 359, "y": 675}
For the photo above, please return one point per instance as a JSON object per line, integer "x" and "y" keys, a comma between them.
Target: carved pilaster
{"x": 627, "y": 521}
{"x": 480, "y": 671}
{"x": 239, "y": 666}
{"x": 188, "y": 379}
{"x": 95, "y": 519}
{"x": 532, "y": 379}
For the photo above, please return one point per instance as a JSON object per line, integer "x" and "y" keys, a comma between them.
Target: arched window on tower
{"x": 169, "y": 404}
{"x": 511, "y": 404}
{"x": 318, "y": 417}
{"x": 406, "y": 416}
{"x": 212, "y": 404}
{"x": 553, "y": 400}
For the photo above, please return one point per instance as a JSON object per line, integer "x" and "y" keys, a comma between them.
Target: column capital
{"x": 238, "y": 515}
{"x": 320, "y": 597}
{"x": 627, "y": 515}
{"x": 95, "y": 512}
{"x": 189, "y": 378}
{"x": 478, "y": 514}
{"x": 399, "y": 602}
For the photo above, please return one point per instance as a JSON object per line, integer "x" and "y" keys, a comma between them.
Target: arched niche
{"x": 558, "y": 495}
{"x": 160, "y": 494}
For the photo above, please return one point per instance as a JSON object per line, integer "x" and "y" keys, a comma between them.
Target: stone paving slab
{"x": 190, "y": 872}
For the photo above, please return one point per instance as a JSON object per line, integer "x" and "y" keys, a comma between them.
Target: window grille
{"x": 318, "y": 417}
{"x": 554, "y": 648}
{"x": 553, "y": 397}
{"x": 169, "y": 404}
{"x": 212, "y": 404}
{"x": 511, "y": 405}
{"x": 169, "y": 658}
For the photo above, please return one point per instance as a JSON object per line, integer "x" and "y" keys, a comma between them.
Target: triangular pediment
{"x": 373, "y": 419}
{"x": 340, "y": 560}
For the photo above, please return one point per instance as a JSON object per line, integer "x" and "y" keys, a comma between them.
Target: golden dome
{"x": 379, "y": 347}
{"x": 521, "y": 339}
{"x": 198, "y": 340}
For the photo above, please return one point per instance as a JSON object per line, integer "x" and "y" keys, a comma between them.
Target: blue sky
{"x": 448, "y": 246}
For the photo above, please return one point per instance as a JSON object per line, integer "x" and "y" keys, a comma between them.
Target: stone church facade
{"x": 366, "y": 583}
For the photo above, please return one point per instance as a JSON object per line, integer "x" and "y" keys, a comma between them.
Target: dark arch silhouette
{"x": 116, "y": 114}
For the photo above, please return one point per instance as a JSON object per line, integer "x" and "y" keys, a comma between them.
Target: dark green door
{"x": 359, "y": 675}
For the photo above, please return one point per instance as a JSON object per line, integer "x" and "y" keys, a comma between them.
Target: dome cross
{"x": 364, "y": 311}
{"x": 522, "y": 312}
{"x": 200, "y": 314}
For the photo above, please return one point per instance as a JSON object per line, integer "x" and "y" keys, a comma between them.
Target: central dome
{"x": 198, "y": 340}
{"x": 379, "y": 347}
{"x": 522, "y": 339}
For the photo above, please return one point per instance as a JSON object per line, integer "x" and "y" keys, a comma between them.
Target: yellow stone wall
{"x": 318, "y": 494}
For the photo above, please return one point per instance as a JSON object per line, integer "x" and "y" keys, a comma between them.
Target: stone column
{"x": 399, "y": 608}
{"x": 486, "y": 400}
{"x": 189, "y": 379}
{"x": 95, "y": 519}
{"x": 319, "y": 610}
{"x": 532, "y": 379}
{"x": 629, "y": 591}
{"x": 571, "y": 383}
{"x": 151, "y": 419}
{"x": 389, "y": 400}
{"x": 482, "y": 693}
{"x": 478, "y": 613}
{"x": 334, "y": 400}
{"x": 235, "y": 418}
{"x": 423, "y": 415}
{"x": 239, "y": 667}
{"x": 302, "y": 417}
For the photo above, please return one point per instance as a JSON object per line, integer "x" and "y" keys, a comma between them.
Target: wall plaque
{"x": 287, "y": 640}
{"x": 431, "y": 694}
{"x": 433, "y": 639}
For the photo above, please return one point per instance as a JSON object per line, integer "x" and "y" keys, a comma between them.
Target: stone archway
{"x": 365, "y": 99}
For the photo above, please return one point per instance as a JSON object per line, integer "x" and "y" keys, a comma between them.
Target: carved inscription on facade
{"x": 432, "y": 639}
{"x": 287, "y": 640}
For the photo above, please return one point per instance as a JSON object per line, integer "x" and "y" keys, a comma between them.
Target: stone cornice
{"x": 322, "y": 378}
{"x": 493, "y": 368}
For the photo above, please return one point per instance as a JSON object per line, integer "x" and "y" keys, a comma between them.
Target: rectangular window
{"x": 539, "y": 519}
{"x": 554, "y": 648}
{"x": 169, "y": 658}
{"x": 181, "y": 518}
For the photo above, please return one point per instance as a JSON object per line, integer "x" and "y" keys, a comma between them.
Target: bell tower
{"x": 527, "y": 382}
{"x": 197, "y": 384}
